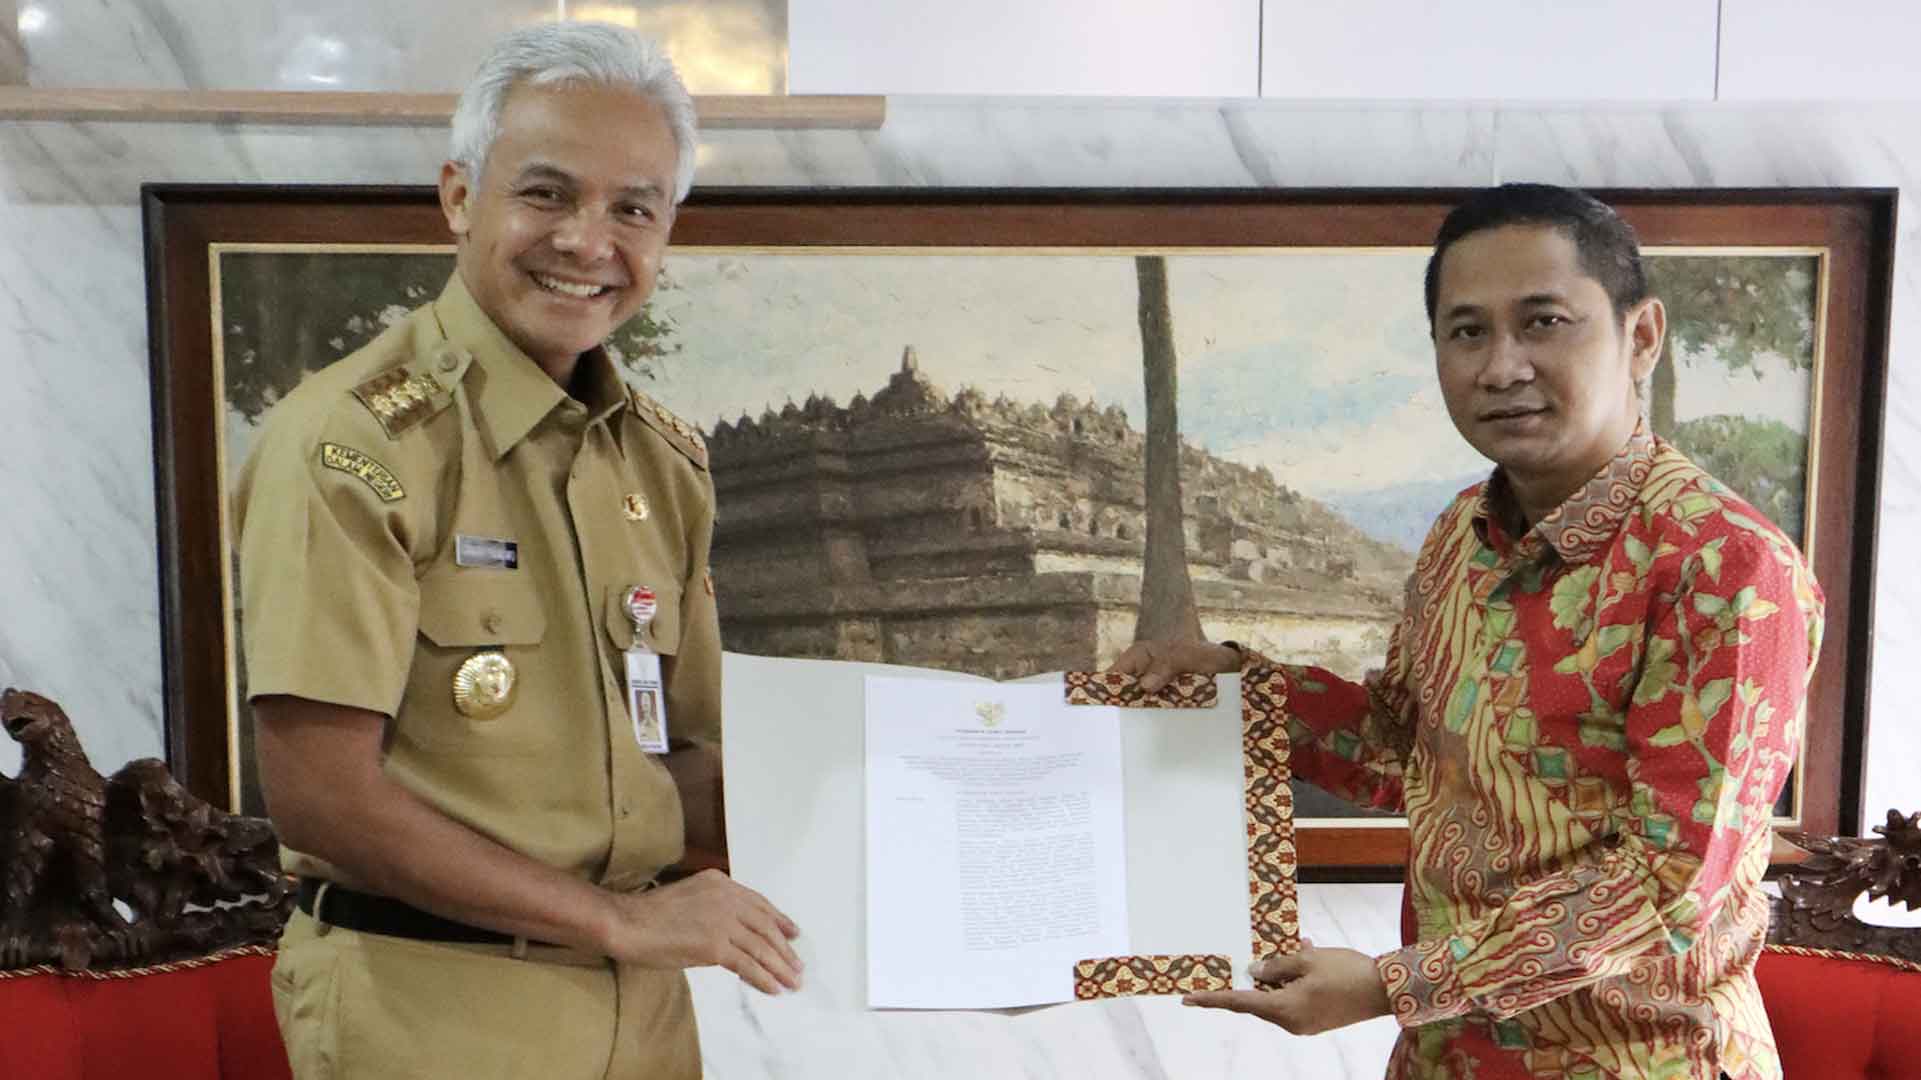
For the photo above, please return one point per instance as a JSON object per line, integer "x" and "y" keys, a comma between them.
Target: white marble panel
{"x": 1148, "y": 48}
{"x": 77, "y": 565}
{"x": 82, "y": 165}
{"x": 1711, "y": 145}
{"x": 947, "y": 142}
{"x": 78, "y": 556}
{"x": 1894, "y": 733}
{"x": 77, "y": 562}
{"x": 426, "y": 45}
{"x": 1514, "y": 50}
{"x": 721, "y": 46}
{"x": 748, "y": 1036}
{"x": 1786, "y": 50}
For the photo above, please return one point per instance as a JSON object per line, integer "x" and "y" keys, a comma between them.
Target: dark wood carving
{"x": 72, "y": 842}
{"x": 1816, "y": 905}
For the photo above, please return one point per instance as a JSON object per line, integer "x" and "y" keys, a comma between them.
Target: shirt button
{"x": 490, "y": 622}
{"x": 448, "y": 361}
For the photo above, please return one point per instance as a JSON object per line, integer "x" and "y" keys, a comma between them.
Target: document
{"x": 995, "y": 845}
{"x": 798, "y": 822}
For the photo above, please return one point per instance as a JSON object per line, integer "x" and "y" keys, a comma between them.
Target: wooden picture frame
{"x": 1847, "y": 235}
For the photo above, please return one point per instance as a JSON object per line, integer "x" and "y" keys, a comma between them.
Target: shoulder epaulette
{"x": 676, "y": 431}
{"x": 404, "y": 396}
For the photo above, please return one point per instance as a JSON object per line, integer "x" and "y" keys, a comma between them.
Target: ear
{"x": 1647, "y": 331}
{"x": 456, "y": 198}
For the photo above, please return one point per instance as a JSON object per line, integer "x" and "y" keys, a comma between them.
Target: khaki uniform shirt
{"x": 349, "y": 510}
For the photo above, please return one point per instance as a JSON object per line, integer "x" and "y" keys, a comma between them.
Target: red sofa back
{"x": 211, "y": 1019}
{"x": 1835, "y": 1017}
{"x": 1842, "y": 1017}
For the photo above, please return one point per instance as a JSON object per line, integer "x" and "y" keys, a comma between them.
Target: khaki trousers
{"x": 356, "y": 1006}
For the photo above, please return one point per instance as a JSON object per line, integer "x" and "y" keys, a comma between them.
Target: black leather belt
{"x": 384, "y": 915}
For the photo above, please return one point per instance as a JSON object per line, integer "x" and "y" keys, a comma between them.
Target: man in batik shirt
{"x": 1587, "y": 709}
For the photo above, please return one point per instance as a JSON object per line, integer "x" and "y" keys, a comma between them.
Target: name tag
{"x": 646, "y": 701}
{"x": 486, "y": 551}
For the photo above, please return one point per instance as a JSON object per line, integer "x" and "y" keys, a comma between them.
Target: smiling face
{"x": 1537, "y": 370}
{"x": 561, "y": 236}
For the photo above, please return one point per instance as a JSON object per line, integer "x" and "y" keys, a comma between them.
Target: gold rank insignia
{"x": 377, "y": 476}
{"x": 676, "y": 431}
{"x": 485, "y": 685}
{"x": 634, "y": 506}
{"x": 399, "y": 399}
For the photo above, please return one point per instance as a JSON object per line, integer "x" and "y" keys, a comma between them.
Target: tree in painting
{"x": 344, "y": 300}
{"x": 1755, "y": 316}
{"x": 1167, "y": 592}
{"x": 285, "y": 316}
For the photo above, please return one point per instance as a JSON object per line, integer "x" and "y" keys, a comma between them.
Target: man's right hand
{"x": 1156, "y": 662}
{"x": 704, "y": 920}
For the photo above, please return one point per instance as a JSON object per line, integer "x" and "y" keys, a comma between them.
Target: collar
{"x": 603, "y": 390}
{"x": 1580, "y": 528}
{"x": 515, "y": 395}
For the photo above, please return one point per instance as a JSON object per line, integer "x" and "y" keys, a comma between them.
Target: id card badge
{"x": 646, "y": 700}
{"x": 646, "y": 697}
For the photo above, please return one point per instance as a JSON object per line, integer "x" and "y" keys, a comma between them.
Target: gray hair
{"x": 551, "y": 53}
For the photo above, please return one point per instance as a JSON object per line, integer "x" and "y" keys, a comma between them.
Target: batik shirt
{"x": 1587, "y": 725}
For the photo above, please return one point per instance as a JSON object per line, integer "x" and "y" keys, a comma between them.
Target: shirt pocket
{"x": 663, "y": 633}
{"x": 461, "y": 618}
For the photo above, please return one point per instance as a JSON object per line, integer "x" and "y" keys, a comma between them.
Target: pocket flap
{"x": 472, "y": 610}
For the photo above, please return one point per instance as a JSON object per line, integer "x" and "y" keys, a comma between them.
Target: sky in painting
{"x": 1315, "y": 364}
{"x": 1292, "y": 362}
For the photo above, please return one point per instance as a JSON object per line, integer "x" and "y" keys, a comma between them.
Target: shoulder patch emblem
{"x": 680, "y": 433}
{"x": 377, "y": 476}
{"x": 400, "y": 399}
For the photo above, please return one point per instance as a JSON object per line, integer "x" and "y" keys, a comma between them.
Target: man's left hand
{"x": 1316, "y": 990}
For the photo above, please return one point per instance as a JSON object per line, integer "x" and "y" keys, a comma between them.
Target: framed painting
{"x": 927, "y": 412}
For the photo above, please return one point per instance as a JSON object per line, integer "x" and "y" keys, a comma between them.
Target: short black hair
{"x": 1606, "y": 246}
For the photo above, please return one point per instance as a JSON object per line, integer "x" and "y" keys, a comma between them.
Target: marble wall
{"x": 421, "y": 46}
{"x": 79, "y": 613}
{"x": 77, "y": 563}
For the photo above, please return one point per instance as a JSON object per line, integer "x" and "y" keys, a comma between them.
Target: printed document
{"x": 995, "y": 851}
{"x": 798, "y": 824}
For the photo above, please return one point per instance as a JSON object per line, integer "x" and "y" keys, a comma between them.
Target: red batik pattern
{"x": 1274, "y": 909}
{"x": 1132, "y": 976}
{"x": 1112, "y": 688}
{"x": 1587, "y": 727}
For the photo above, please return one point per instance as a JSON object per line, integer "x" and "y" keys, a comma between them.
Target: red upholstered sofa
{"x": 1836, "y": 1017}
{"x": 1839, "y": 1016}
{"x": 193, "y": 1020}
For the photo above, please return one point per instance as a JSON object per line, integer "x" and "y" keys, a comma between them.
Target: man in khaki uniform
{"x": 445, "y": 539}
